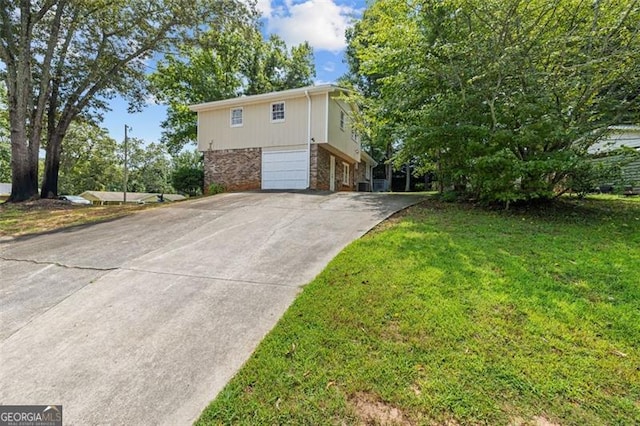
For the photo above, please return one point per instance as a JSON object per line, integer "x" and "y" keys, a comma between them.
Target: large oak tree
{"x": 66, "y": 58}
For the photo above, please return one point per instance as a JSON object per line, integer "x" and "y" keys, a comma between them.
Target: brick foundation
{"x": 235, "y": 169}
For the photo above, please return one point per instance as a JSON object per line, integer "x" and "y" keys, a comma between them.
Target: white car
{"x": 74, "y": 199}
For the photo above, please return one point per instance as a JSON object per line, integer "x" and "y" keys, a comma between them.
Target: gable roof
{"x": 265, "y": 97}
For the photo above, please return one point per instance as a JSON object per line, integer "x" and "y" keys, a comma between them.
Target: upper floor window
{"x": 354, "y": 135}
{"x": 343, "y": 119}
{"x": 277, "y": 112}
{"x": 236, "y": 117}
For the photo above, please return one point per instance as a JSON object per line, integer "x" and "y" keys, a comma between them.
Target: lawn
{"x": 48, "y": 215}
{"x": 451, "y": 314}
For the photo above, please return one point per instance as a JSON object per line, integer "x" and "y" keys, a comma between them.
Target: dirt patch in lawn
{"x": 372, "y": 411}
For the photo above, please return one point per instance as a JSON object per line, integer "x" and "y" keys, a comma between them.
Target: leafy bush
{"x": 188, "y": 180}
{"x": 215, "y": 188}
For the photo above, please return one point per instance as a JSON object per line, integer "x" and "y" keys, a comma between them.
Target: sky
{"x": 320, "y": 22}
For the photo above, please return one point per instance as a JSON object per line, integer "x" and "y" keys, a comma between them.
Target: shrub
{"x": 215, "y": 188}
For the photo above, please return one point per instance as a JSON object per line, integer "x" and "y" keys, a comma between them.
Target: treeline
{"x": 499, "y": 99}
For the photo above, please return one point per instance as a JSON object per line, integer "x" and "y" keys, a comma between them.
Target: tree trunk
{"x": 407, "y": 182}
{"x": 23, "y": 184}
{"x": 51, "y": 167}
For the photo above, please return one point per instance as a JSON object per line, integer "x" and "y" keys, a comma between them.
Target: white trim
{"x": 231, "y": 110}
{"x": 326, "y": 118}
{"x": 308, "y": 139}
{"x": 345, "y": 173}
{"x": 271, "y": 112}
{"x": 271, "y": 96}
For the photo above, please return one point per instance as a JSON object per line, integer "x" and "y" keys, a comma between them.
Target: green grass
{"x": 47, "y": 215}
{"x": 449, "y": 314}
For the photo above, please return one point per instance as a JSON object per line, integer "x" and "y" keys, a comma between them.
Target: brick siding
{"x": 235, "y": 169}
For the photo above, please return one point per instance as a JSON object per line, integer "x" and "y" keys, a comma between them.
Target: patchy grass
{"x": 47, "y": 215}
{"x": 449, "y": 314}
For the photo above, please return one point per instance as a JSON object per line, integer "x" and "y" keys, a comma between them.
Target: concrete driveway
{"x": 144, "y": 319}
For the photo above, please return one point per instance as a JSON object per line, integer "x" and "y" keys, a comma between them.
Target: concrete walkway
{"x": 144, "y": 319}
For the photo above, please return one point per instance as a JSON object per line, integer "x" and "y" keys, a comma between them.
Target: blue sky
{"x": 320, "y": 22}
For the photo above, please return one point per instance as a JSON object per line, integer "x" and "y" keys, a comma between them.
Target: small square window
{"x": 277, "y": 112}
{"x": 342, "y": 120}
{"x": 236, "y": 117}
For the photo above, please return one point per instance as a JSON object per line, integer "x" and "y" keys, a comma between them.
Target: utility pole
{"x": 126, "y": 176}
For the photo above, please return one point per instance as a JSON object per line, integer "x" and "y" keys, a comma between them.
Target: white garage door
{"x": 284, "y": 169}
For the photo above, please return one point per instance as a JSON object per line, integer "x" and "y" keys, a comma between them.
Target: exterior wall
{"x": 235, "y": 169}
{"x": 321, "y": 167}
{"x": 257, "y": 130}
{"x": 341, "y": 138}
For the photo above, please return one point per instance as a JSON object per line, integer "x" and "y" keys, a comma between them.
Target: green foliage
{"x": 188, "y": 180}
{"x": 224, "y": 64}
{"x": 215, "y": 188}
{"x": 454, "y": 315}
{"x": 62, "y": 60}
{"x": 89, "y": 160}
{"x": 149, "y": 167}
{"x": 501, "y": 97}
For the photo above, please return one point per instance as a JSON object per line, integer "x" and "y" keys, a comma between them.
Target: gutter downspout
{"x": 306, "y": 93}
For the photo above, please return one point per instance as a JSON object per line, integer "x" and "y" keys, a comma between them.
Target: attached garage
{"x": 284, "y": 169}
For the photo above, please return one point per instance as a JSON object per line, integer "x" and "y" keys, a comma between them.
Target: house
{"x": 605, "y": 151}
{"x": 107, "y": 197}
{"x": 294, "y": 139}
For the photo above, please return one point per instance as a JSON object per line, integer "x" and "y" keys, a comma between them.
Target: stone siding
{"x": 235, "y": 169}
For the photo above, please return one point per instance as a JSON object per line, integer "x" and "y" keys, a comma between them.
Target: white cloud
{"x": 264, "y": 7}
{"x": 320, "y": 22}
{"x": 329, "y": 66}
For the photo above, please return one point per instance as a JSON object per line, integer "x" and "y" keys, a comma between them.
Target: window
{"x": 342, "y": 120}
{"x": 236, "y": 117}
{"x": 354, "y": 135}
{"x": 277, "y": 112}
{"x": 345, "y": 174}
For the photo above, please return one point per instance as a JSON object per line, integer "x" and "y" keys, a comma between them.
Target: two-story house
{"x": 293, "y": 139}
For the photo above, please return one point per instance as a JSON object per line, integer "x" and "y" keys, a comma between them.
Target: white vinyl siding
{"x": 236, "y": 117}
{"x": 284, "y": 169}
{"x": 277, "y": 112}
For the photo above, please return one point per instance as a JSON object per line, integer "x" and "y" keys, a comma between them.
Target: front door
{"x": 332, "y": 173}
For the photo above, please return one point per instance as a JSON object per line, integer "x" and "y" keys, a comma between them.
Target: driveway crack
{"x": 62, "y": 265}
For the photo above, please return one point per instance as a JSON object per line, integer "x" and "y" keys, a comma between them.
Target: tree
{"x": 222, "y": 65}
{"x": 64, "y": 58}
{"x": 89, "y": 160}
{"x": 502, "y": 98}
{"x": 149, "y": 167}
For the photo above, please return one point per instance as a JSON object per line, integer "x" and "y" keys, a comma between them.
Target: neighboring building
{"x": 294, "y": 139}
{"x": 618, "y": 137}
{"x": 5, "y": 191}
{"x": 106, "y": 197}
